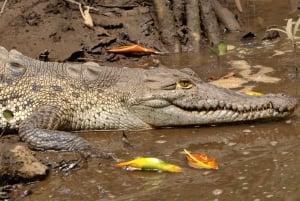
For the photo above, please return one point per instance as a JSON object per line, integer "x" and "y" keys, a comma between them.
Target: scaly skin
{"x": 48, "y": 98}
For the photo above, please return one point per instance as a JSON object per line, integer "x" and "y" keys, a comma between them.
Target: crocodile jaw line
{"x": 163, "y": 113}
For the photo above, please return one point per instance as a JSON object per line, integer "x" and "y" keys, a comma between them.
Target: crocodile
{"x": 46, "y": 101}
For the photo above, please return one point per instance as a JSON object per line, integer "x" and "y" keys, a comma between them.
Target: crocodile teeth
{"x": 234, "y": 107}
{"x": 221, "y": 104}
{"x": 246, "y": 107}
{"x": 240, "y": 108}
{"x": 228, "y": 106}
{"x": 207, "y": 105}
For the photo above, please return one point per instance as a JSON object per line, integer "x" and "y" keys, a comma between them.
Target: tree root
{"x": 195, "y": 17}
{"x": 238, "y": 5}
{"x": 210, "y": 22}
{"x": 2, "y": 8}
{"x": 226, "y": 16}
{"x": 167, "y": 25}
{"x": 193, "y": 23}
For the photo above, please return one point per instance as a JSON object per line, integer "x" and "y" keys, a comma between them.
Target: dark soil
{"x": 56, "y": 27}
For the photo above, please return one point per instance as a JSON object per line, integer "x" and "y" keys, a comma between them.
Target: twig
{"x": 79, "y": 4}
{"x": 87, "y": 18}
{"x": 3, "y": 6}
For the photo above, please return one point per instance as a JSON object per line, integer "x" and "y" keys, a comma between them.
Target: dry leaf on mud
{"x": 131, "y": 49}
{"x": 201, "y": 161}
{"x": 149, "y": 164}
{"x": 229, "y": 75}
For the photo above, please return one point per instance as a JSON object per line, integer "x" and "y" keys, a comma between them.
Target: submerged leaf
{"x": 222, "y": 48}
{"x": 201, "y": 161}
{"x": 150, "y": 164}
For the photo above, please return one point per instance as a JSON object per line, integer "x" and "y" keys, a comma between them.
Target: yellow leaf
{"x": 252, "y": 93}
{"x": 201, "y": 161}
{"x": 150, "y": 164}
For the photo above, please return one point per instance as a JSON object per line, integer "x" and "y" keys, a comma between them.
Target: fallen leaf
{"x": 150, "y": 164}
{"x": 131, "y": 49}
{"x": 201, "y": 161}
{"x": 252, "y": 93}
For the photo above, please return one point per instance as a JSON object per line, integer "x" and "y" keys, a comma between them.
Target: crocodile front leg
{"x": 39, "y": 131}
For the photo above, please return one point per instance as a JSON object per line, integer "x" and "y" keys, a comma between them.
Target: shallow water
{"x": 258, "y": 161}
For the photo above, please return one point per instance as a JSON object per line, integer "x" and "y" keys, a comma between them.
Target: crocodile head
{"x": 171, "y": 97}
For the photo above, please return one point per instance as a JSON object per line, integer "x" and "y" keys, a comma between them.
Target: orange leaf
{"x": 131, "y": 49}
{"x": 201, "y": 161}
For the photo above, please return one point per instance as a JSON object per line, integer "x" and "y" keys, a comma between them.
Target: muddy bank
{"x": 57, "y": 29}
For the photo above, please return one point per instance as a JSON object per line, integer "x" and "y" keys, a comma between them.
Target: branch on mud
{"x": 2, "y": 8}
{"x": 87, "y": 18}
{"x": 193, "y": 23}
{"x": 210, "y": 21}
{"x": 167, "y": 25}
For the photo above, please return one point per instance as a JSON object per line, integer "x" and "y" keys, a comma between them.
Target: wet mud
{"x": 258, "y": 160}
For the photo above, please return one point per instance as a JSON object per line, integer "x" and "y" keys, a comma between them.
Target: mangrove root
{"x": 193, "y": 23}
{"x": 210, "y": 22}
{"x": 167, "y": 25}
{"x": 226, "y": 16}
{"x": 188, "y": 19}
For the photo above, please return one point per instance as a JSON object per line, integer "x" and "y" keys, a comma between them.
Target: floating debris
{"x": 248, "y": 37}
{"x": 149, "y": 164}
{"x": 201, "y": 161}
{"x": 271, "y": 35}
{"x": 217, "y": 191}
{"x": 273, "y": 143}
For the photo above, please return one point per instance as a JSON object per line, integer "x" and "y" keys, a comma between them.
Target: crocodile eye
{"x": 184, "y": 84}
